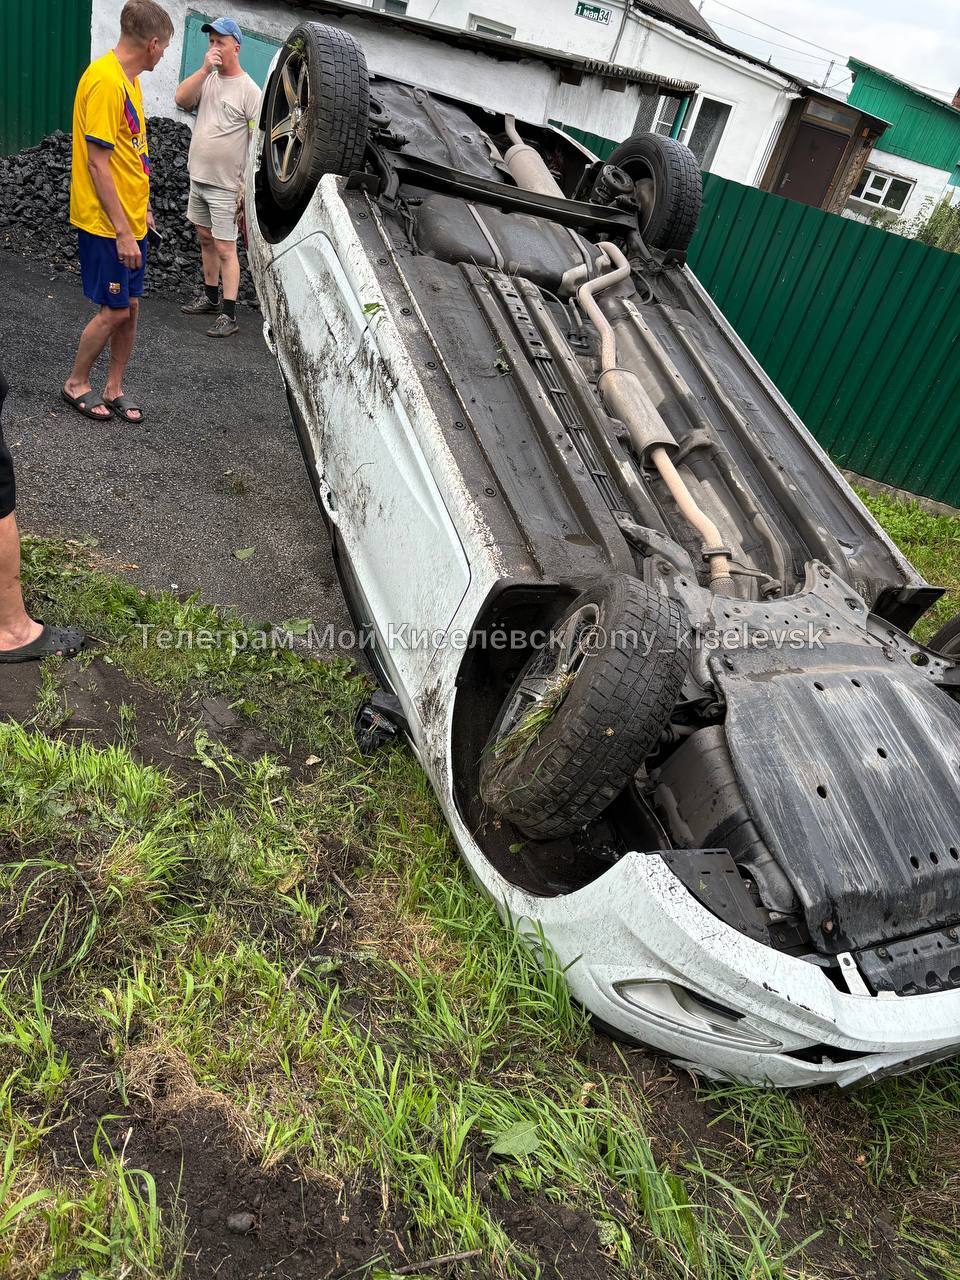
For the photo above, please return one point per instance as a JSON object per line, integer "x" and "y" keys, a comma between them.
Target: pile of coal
{"x": 35, "y": 210}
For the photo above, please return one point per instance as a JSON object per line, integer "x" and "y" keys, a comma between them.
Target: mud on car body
{"x": 688, "y": 740}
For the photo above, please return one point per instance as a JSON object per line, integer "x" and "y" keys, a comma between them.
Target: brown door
{"x": 810, "y": 165}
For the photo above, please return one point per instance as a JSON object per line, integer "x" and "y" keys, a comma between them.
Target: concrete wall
{"x": 530, "y": 89}
{"x": 931, "y": 187}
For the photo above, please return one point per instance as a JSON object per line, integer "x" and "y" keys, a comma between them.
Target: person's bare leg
{"x": 211, "y": 259}
{"x": 229, "y": 268}
{"x": 121, "y": 345}
{"x": 17, "y": 628}
{"x": 92, "y": 341}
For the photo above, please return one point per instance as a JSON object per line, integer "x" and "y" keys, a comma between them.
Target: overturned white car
{"x": 648, "y": 645}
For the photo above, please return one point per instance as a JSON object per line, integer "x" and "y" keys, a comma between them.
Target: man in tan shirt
{"x": 227, "y": 101}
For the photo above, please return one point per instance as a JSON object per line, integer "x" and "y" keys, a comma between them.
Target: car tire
{"x": 619, "y": 691}
{"x": 317, "y": 117}
{"x": 668, "y": 188}
{"x": 947, "y": 639}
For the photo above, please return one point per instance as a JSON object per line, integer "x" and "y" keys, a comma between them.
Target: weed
{"x": 931, "y": 543}
{"x": 307, "y": 959}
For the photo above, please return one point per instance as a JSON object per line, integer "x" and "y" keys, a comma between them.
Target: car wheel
{"x": 318, "y": 104}
{"x": 947, "y": 639}
{"x": 586, "y": 709}
{"x": 668, "y": 188}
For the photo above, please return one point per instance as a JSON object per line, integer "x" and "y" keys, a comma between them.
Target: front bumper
{"x": 636, "y": 929}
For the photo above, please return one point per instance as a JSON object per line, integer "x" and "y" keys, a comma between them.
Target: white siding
{"x": 529, "y": 89}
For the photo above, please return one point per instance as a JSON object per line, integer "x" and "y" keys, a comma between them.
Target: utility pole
{"x": 833, "y": 63}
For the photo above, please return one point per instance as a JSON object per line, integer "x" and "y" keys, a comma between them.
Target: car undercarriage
{"x": 601, "y": 450}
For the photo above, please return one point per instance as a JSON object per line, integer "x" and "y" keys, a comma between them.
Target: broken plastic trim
{"x": 378, "y": 721}
{"x": 680, "y": 1009}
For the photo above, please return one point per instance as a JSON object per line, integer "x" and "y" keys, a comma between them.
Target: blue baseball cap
{"x": 224, "y": 27}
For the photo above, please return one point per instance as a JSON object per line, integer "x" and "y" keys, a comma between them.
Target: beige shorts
{"x": 213, "y": 207}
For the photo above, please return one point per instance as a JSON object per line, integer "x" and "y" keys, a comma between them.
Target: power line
{"x": 802, "y": 39}
{"x": 814, "y": 57}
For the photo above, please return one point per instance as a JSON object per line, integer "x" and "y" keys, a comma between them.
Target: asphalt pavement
{"x": 214, "y": 468}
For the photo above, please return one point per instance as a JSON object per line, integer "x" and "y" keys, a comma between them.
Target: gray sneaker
{"x": 223, "y": 327}
{"x": 200, "y": 306}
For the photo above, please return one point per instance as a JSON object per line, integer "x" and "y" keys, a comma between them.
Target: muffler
{"x": 625, "y": 397}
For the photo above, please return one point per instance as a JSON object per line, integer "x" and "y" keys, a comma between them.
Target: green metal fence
{"x": 44, "y": 49}
{"x": 859, "y": 328}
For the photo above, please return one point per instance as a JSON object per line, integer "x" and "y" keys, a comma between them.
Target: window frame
{"x": 658, "y": 113}
{"x": 487, "y": 27}
{"x": 868, "y": 174}
{"x": 694, "y": 111}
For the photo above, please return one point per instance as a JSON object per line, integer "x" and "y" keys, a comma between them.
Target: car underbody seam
{"x": 816, "y": 536}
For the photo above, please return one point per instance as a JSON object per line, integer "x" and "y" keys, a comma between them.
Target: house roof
{"x": 858, "y": 64}
{"x": 680, "y": 11}
{"x": 497, "y": 47}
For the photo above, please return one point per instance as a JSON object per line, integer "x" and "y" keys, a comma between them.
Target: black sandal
{"x": 123, "y": 406}
{"x": 52, "y": 642}
{"x": 85, "y": 403}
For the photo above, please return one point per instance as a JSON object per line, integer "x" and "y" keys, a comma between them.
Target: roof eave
{"x": 505, "y": 50}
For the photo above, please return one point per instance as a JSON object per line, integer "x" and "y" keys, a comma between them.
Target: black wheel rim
{"x": 291, "y": 103}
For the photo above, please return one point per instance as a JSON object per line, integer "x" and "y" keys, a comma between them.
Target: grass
{"x": 534, "y": 720}
{"x": 294, "y": 952}
{"x": 932, "y": 544}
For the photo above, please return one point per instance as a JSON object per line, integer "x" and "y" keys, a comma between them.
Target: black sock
{"x": 213, "y": 293}
{"x": 230, "y": 308}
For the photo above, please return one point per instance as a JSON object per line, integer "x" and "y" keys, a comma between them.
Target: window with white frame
{"x": 487, "y": 27}
{"x": 706, "y": 129}
{"x": 702, "y": 127}
{"x": 883, "y": 189}
{"x": 665, "y": 117}
{"x": 390, "y": 6}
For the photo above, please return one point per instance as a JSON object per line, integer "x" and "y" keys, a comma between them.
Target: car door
{"x": 368, "y": 422}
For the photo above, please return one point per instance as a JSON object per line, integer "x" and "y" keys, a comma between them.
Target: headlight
{"x": 672, "y": 1005}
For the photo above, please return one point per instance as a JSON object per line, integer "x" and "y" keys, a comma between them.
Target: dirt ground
{"x": 243, "y": 1220}
{"x": 214, "y": 468}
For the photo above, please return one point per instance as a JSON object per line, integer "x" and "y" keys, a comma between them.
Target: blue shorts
{"x": 105, "y": 279}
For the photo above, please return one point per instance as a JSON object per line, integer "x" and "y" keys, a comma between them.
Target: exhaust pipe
{"x": 527, "y": 167}
{"x": 624, "y": 395}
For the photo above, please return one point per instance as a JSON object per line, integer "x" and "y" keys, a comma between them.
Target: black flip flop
{"x": 52, "y": 642}
{"x": 85, "y": 403}
{"x": 123, "y": 406}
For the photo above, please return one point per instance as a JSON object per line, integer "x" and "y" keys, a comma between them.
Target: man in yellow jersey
{"x": 110, "y": 204}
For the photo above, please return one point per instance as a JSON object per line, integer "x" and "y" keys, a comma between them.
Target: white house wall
{"x": 759, "y": 99}
{"x": 931, "y": 188}
{"x": 529, "y": 89}
{"x": 551, "y": 23}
